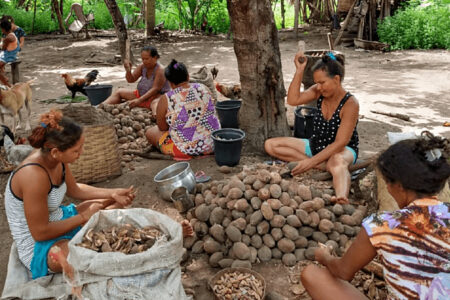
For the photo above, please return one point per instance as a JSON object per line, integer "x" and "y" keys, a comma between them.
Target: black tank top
{"x": 324, "y": 132}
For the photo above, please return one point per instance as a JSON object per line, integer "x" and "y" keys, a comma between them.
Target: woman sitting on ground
{"x": 413, "y": 242}
{"x": 10, "y": 48}
{"x": 19, "y": 32}
{"x": 37, "y": 220}
{"x": 334, "y": 143}
{"x": 185, "y": 117}
{"x": 151, "y": 86}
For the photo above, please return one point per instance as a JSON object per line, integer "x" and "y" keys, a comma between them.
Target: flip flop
{"x": 201, "y": 177}
{"x": 273, "y": 162}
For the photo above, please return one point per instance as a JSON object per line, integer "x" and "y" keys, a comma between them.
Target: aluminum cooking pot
{"x": 174, "y": 176}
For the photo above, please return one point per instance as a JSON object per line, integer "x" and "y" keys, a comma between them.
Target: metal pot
{"x": 174, "y": 176}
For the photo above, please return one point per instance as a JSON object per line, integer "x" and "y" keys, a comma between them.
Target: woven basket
{"x": 344, "y": 5}
{"x": 100, "y": 159}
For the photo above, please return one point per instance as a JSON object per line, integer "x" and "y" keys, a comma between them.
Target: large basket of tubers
{"x": 100, "y": 159}
{"x": 238, "y": 283}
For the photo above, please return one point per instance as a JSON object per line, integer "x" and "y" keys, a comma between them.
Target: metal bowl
{"x": 174, "y": 176}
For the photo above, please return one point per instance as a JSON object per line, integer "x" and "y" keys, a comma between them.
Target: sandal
{"x": 201, "y": 177}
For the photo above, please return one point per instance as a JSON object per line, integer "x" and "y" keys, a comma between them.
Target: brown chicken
{"x": 232, "y": 91}
{"x": 78, "y": 84}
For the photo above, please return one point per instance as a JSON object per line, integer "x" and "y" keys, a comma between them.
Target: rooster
{"x": 214, "y": 72}
{"x": 78, "y": 84}
{"x": 232, "y": 91}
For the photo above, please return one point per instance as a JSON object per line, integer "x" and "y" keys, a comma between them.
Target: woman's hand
{"x": 300, "y": 61}
{"x": 124, "y": 196}
{"x": 90, "y": 210}
{"x": 322, "y": 255}
{"x": 303, "y": 166}
{"x": 134, "y": 103}
{"x": 127, "y": 65}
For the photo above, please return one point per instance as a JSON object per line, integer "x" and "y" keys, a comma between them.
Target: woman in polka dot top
{"x": 333, "y": 145}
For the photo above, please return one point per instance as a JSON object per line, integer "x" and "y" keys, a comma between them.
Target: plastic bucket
{"x": 98, "y": 93}
{"x": 228, "y": 113}
{"x": 304, "y": 121}
{"x": 228, "y": 146}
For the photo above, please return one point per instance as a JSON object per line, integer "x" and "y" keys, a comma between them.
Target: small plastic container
{"x": 304, "y": 121}
{"x": 228, "y": 146}
{"x": 98, "y": 93}
{"x": 228, "y": 113}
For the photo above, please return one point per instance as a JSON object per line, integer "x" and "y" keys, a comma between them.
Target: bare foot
{"x": 339, "y": 200}
{"x": 57, "y": 256}
{"x": 187, "y": 228}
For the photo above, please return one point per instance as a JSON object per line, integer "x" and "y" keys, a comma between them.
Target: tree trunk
{"x": 59, "y": 16}
{"x": 119, "y": 26}
{"x": 296, "y": 10}
{"x": 61, "y": 8}
{"x": 283, "y": 18}
{"x": 150, "y": 18}
{"x": 256, "y": 47}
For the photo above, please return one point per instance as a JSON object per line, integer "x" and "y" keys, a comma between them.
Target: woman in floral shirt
{"x": 413, "y": 242}
{"x": 185, "y": 117}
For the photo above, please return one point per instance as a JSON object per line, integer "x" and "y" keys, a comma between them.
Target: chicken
{"x": 232, "y": 91}
{"x": 5, "y": 130}
{"x": 78, "y": 84}
{"x": 157, "y": 29}
{"x": 15, "y": 154}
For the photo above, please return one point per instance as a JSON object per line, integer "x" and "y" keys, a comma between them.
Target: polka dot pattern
{"x": 325, "y": 131}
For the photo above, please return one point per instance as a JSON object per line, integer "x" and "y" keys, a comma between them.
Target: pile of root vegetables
{"x": 126, "y": 239}
{"x": 238, "y": 285}
{"x": 256, "y": 216}
{"x": 130, "y": 125}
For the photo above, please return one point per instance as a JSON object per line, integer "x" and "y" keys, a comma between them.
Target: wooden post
{"x": 297, "y": 8}
{"x": 344, "y": 26}
{"x": 150, "y": 18}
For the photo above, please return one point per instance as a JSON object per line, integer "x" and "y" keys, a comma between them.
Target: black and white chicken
{"x": 15, "y": 154}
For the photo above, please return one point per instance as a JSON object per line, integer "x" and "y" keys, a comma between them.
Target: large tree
{"x": 119, "y": 26}
{"x": 258, "y": 55}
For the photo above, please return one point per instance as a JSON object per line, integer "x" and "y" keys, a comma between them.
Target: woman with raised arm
{"x": 334, "y": 143}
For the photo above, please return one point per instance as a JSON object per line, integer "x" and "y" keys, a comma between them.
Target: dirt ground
{"x": 415, "y": 83}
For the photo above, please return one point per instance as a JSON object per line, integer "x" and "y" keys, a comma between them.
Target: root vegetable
{"x": 315, "y": 219}
{"x": 286, "y": 211}
{"x": 277, "y": 234}
{"x": 233, "y": 233}
{"x": 275, "y": 204}
{"x": 225, "y": 169}
{"x": 216, "y": 216}
{"x": 250, "y": 229}
{"x": 268, "y": 241}
{"x": 215, "y": 258}
{"x": 303, "y": 216}
{"x": 307, "y": 206}
{"x": 237, "y": 184}
{"x": 294, "y": 221}
{"x": 217, "y": 232}
{"x": 264, "y": 176}
{"x": 211, "y": 246}
{"x": 325, "y": 214}
{"x": 249, "y": 194}
{"x": 202, "y": 212}
{"x": 290, "y": 232}
{"x": 319, "y": 237}
{"x": 266, "y": 211}
{"x": 275, "y": 178}
{"x": 275, "y": 191}
{"x": 246, "y": 239}
{"x": 334, "y": 236}
{"x": 241, "y": 204}
{"x": 289, "y": 259}
{"x": 249, "y": 179}
{"x": 285, "y": 245}
{"x": 257, "y": 185}
{"x": 264, "y": 194}
{"x": 300, "y": 254}
{"x": 225, "y": 263}
{"x": 305, "y": 231}
{"x": 198, "y": 247}
{"x": 278, "y": 221}
{"x": 276, "y": 253}
{"x": 304, "y": 192}
{"x": 264, "y": 254}
{"x": 326, "y": 226}
{"x": 256, "y": 241}
{"x": 263, "y": 228}
{"x": 310, "y": 253}
{"x": 284, "y": 184}
{"x": 338, "y": 209}
{"x": 241, "y": 251}
{"x": 318, "y": 203}
{"x": 239, "y": 223}
{"x": 301, "y": 242}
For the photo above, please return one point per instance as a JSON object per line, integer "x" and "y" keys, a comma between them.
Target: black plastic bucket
{"x": 304, "y": 121}
{"x": 98, "y": 93}
{"x": 228, "y": 113}
{"x": 228, "y": 146}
